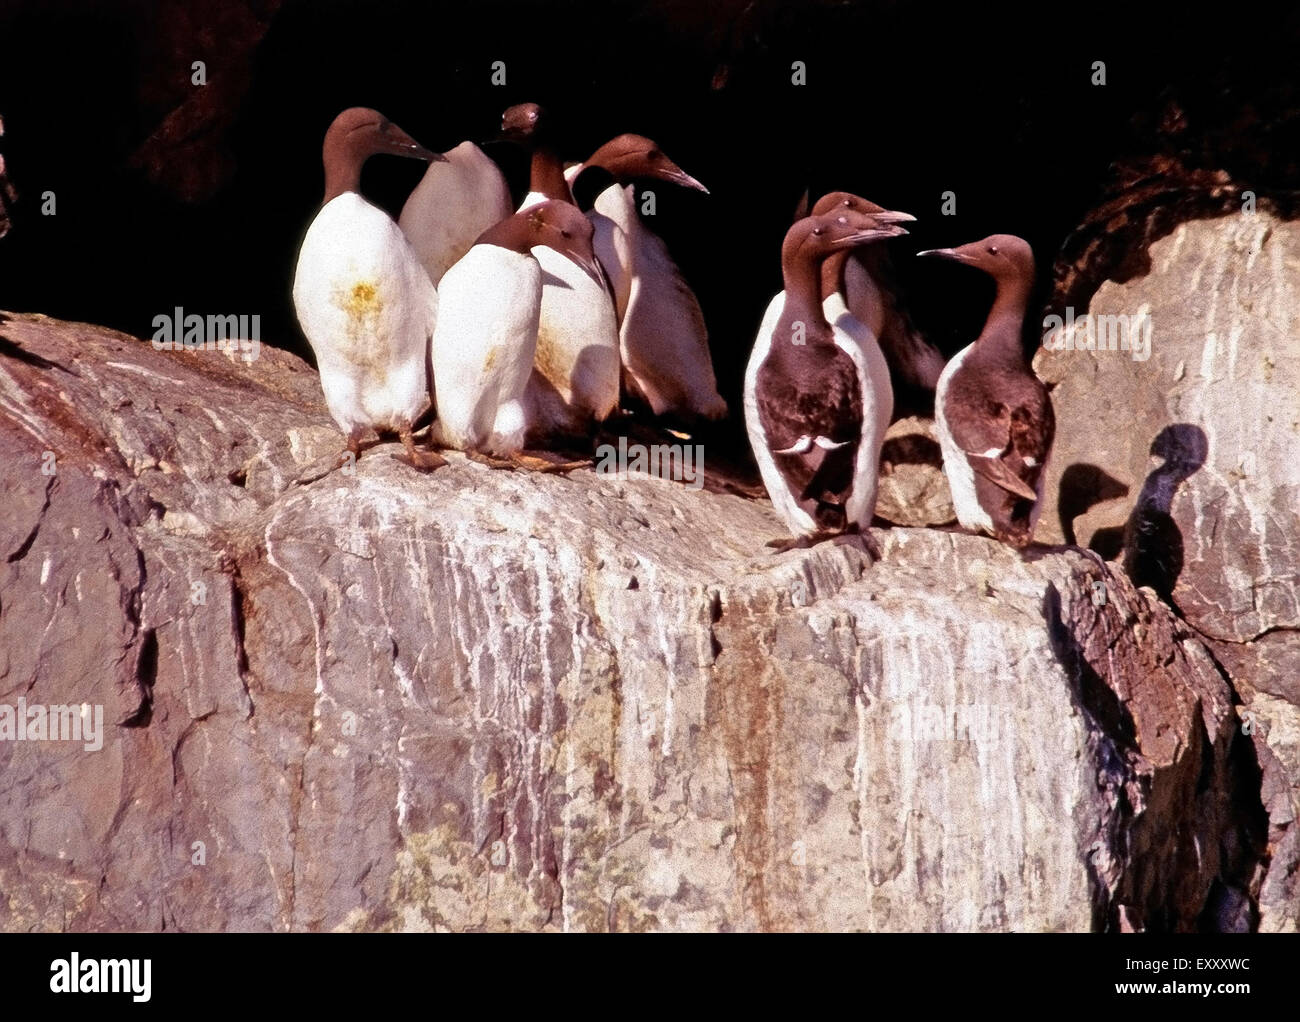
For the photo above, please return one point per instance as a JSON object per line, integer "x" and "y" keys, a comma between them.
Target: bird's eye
{"x": 819, "y": 231}
{"x": 565, "y": 234}
{"x": 532, "y": 115}
{"x": 993, "y": 250}
{"x": 846, "y": 203}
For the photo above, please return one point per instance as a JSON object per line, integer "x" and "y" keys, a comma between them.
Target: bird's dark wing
{"x": 810, "y": 407}
{"x": 1003, "y": 422}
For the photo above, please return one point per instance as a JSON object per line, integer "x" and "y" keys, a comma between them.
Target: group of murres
{"x": 523, "y": 327}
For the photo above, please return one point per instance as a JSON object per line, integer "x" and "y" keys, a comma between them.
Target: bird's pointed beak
{"x": 894, "y": 216}
{"x": 944, "y": 253}
{"x": 595, "y": 272}
{"x": 590, "y": 265}
{"x": 400, "y": 143}
{"x": 678, "y": 176}
{"x": 869, "y": 235}
{"x": 582, "y": 256}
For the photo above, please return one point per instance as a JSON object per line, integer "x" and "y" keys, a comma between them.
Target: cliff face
{"x": 481, "y": 699}
{"x": 1183, "y": 466}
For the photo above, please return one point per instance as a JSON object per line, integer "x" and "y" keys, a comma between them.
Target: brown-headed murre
{"x": 993, "y": 415}
{"x": 663, "y": 340}
{"x": 872, "y": 294}
{"x": 363, "y": 300}
{"x": 817, "y": 395}
{"x": 576, "y": 383}
{"x": 486, "y": 338}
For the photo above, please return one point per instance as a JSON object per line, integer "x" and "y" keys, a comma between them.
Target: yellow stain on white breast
{"x": 549, "y": 361}
{"x": 363, "y": 305}
{"x": 361, "y": 301}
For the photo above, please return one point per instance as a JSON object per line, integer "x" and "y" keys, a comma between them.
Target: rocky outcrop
{"x": 1217, "y": 402}
{"x": 913, "y": 490}
{"x": 1198, "y": 494}
{"x": 479, "y": 699}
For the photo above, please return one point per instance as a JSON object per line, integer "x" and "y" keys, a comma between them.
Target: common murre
{"x": 816, "y": 405}
{"x": 993, "y": 415}
{"x": 576, "y": 383}
{"x": 486, "y": 338}
{"x": 873, "y": 295}
{"x": 663, "y": 339}
{"x": 363, "y": 300}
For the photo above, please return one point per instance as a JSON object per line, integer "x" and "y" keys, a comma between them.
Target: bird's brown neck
{"x": 832, "y": 273}
{"x": 803, "y": 300}
{"x": 512, "y": 234}
{"x": 546, "y": 174}
{"x": 803, "y": 275}
{"x": 343, "y": 165}
{"x": 1000, "y": 340}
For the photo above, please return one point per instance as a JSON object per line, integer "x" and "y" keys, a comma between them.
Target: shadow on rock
{"x": 1153, "y": 543}
{"x": 1082, "y": 488}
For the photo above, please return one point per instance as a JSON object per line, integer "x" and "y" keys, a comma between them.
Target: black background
{"x": 1015, "y": 976}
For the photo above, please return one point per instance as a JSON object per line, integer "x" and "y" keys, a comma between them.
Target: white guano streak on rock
{"x": 312, "y": 609}
{"x": 10, "y": 392}
{"x": 537, "y": 742}
{"x": 1169, "y": 255}
{"x": 1208, "y": 354}
{"x": 572, "y": 569}
{"x": 566, "y": 843}
{"x": 264, "y": 449}
{"x": 860, "y": 781}
{"x": 1279, "y": 300}
{"x": 665, "y": 643}
{"x": 131, "y": 367}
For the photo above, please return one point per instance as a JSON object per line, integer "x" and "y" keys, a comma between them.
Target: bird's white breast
{"x": 577, "y": 336}
{"x": 484, "y": 344}
{"x": 956, "y": 467}
{"x": 858, "y": 342}
{"x": 798, "y": 521}
{"x": 577, "y": 341}
{"x": 615, "y": 222}
{"x": 367, "y": 308}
